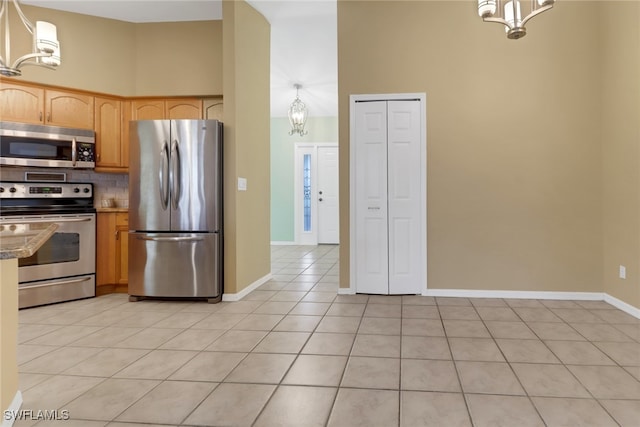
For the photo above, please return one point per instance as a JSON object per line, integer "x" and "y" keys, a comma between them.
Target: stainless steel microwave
{"x": 23, "y": 144}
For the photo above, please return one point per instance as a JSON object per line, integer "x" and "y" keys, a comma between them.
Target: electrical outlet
{"x": 622, "y": 272}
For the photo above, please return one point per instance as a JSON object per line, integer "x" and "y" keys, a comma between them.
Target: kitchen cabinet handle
{"x": 40, "y": 116}
{"x": 49, "y": 116}
{"x": 117, "y": 233}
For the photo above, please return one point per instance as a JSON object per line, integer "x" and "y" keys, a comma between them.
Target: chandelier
{"x": 509, "y": 13}
{"x": 297, "y": 114}
{"x": 45, "y": 49}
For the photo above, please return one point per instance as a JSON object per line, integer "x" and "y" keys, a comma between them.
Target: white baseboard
{"x": 243, "y": 293}
{"x": 283, "y": 243}
{"x": 627, "y": 308}
{"x": 468, "y": 293}
{"x": 13, "y": 408}
{"x": 550, "y": 295}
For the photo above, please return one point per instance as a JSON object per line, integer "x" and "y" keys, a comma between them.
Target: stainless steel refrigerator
{"x": 175, "y": 209}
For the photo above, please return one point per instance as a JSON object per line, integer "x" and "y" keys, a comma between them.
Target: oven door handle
{"x": 42, "y": 220}
{"x": 172, "y": 239}
{"x": 74, "y": 152}
{"x": 64, "y": 282}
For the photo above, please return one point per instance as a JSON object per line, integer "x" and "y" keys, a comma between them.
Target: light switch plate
{"x": 242, "y": 184}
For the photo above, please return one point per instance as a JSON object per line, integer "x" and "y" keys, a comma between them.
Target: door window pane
{"x": 306, "y": 186}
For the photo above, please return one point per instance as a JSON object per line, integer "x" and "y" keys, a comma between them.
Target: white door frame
{"x": 422, "y": 97}
{"x": 301, "y": 148}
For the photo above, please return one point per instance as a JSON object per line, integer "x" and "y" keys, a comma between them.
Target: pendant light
{"x": 509, "y": 13}
{"x": 297, "y": 114}
{"x": 45, "y": 48}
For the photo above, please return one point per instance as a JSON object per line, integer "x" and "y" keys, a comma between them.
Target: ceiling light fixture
{"x": 46, "y": 48}
{"x": 297, "y": 114}
{"x": 509, "y": 13}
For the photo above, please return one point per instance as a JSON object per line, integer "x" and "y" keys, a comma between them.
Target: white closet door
{"x": 370, "y": 192}
{"x": 404, "y": 197}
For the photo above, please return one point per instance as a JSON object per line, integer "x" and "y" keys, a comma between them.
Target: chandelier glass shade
{"x": 510, "y": 13}
{"x": 297, "y": 115}
{"x": 45, "y": 47}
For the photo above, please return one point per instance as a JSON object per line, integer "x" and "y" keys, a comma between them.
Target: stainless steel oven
{"x": 64, "y": 267}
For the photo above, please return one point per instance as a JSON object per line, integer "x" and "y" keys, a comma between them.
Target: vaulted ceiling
{"x": 303, "y": 40}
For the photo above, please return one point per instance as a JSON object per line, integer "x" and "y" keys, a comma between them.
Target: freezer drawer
{"x": 185, "y": 265}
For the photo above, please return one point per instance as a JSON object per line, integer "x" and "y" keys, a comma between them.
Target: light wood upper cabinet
{"x": 183, "y": 109}
{"x": 108, "y": 128}
{"x": 158, "y": 109}
{"x": 147, "y": 109}
{"x": 68, "y": 109}
{"x": 213, "y": 109}
{"x": 20, "y": 103}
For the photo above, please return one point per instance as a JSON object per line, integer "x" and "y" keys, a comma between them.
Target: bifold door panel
{"x": 388, "y": 189}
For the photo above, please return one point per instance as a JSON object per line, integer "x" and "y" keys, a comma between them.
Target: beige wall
{"x": 122, "y": 58}
{"x": 621, "y": 148}
{"x": 246, "y": 84}
{"x": 514, "y": 179}
{"x": 180, "y": 58}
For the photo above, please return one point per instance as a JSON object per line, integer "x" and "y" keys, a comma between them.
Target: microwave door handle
{"x": 163, "y": 175}
{"x": 175, "y": 174}
{"x": 74, "y": 152}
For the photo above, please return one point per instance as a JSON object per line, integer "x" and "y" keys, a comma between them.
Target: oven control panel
{"x": 37, "y": 190}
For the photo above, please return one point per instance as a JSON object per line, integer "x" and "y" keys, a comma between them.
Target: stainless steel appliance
{"x": 175, "y": 209}
{"x": 23, "y": 144}
{"x": 64, "y": 267}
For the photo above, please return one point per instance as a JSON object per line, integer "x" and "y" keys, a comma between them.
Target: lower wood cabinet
{"x": 112, "y": 252}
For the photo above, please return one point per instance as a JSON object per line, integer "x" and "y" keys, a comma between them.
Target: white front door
{"x": 328, "y": 214}
{"x": 316, "y": 210}
{"x": 388, "y": 190}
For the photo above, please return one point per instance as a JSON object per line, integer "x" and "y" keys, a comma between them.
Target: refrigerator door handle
{"x": 163, "y": 174}
{"x": 171, "y": 239}
{"x": 175, "y": 174}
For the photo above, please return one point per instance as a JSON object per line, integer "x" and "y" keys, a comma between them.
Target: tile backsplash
{"x": 105, "y": 185}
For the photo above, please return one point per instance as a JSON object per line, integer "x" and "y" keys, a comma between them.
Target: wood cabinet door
{"x": 183, "y": 108}
{"x": 20, "y": 103}
{"x": 122, "y": 249}
{"x": 108, "y": 123}
{"x": 69, "y": 109}
{"x": 147, "y": 109}
{"x": 213, "y": 109}
{"x": 105, "y": 249}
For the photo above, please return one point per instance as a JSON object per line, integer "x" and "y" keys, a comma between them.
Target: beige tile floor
{"x": 294, "y": 353}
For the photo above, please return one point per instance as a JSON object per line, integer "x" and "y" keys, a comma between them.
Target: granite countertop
{"x": 23, "y": 240}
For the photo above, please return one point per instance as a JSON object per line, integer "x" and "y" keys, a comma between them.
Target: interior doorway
{"x": 316, "y": 193}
